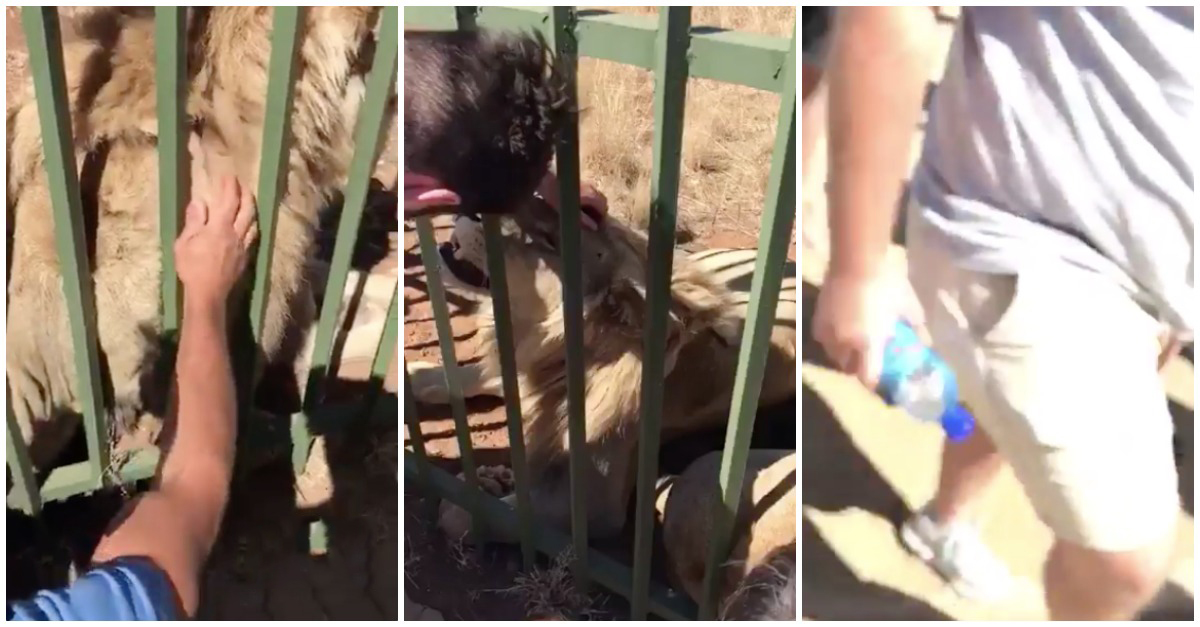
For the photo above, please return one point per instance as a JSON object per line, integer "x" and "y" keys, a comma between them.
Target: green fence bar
{"x": 380, "y": 83}
{"x": 670, "y": 90}
{"x": 778, "y": 217}
{"x": 502, "y": 318}
{"x": 566, "y": 149}
{"x": 502, "y": 314}
{"x": 272, "y": 176}
{"x": 75, "y": 479}
{"x": 174, "y": 186}
{"x": 25, "y": 493}
{"x": 441, "y": 316}
{"x": 421, "y": 468}
{"x": 747, "y": 59}
{"x": 384, "y": 352}
{"x": 44, "y": 38}
{"x": 367, "y": 139}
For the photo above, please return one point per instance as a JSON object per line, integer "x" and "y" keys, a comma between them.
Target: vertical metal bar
{"x": 502, "y": 317}
{"x": 384, "y": 351}
{"x": 414, "y": 429}
{"x": 272, "y": 178}
{"x": 44, "y": 39}
{"x": 458, "y": 408}
{"x": 170, "y": 44}
{"x": 778, "y": 217}
{"x": 380, "y": 83}
{"x": 670, "y": 89}
{"x": 502, "y": 314}
{"x": 27, "y": 493}
{"x": 562, "y": 36}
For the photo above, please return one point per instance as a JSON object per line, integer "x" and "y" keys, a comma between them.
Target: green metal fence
{"x": 42, "y": 31}
{"x": 674, "y": 51}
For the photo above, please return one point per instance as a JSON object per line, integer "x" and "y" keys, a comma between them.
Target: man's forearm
{"x": 878, "y": 69}
{"x": 205, "y": 428}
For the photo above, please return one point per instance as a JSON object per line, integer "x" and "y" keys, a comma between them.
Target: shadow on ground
{"x": 837, "y": 476}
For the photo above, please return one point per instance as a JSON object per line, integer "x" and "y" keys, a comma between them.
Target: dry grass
{"x": 550, "y": 593}
{"x": 729, "y": 132}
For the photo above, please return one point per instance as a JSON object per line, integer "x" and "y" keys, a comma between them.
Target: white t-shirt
{"x": 1067, "y": 135}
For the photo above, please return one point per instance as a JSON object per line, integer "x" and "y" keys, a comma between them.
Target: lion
{"x": 110, "y": 82}
{"x": 706, "y": 314}
{"x": 758, "y": 580}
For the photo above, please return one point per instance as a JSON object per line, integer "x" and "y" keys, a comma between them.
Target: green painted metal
{"x": 734, "y": 57}
{"x": 384, "y": 353}
{"x": 368, "y": 138}
{"x": 430, "y": 17}
{"x": 272, "y": 178}
{"x": 753, "y": 60}
{"x": 502, "y": 319}
{"x": 502, "y": 314}
{"x": 174, "y": 186}
{"x": 664, "y": 602}
{"x": 441, "y": 316}
{"x": 421, "y": 466}
{"x": 380, "y": 85}
{"x": 670, "y": 91}
{"x": 44, "y": 39}
{"x": 778, "y": 217}
{"x": 25, "y": 494}
{"x": 75, "y": 479}
{"x": 566, "y": 148}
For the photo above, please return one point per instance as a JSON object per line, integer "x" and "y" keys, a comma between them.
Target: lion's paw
{"x": 428, "y": 383}
{"x": 495, "y": 480}
{"x": 454, "y": 521}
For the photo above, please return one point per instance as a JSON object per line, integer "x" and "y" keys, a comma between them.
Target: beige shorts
{"x": 1059, "y": 366}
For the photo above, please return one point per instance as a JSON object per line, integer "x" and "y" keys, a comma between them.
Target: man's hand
{"x": 212, "y": 251}
{"x": 855, "y": 317}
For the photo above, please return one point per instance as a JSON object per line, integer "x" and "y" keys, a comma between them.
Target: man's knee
{"x": 1132, "y": 576}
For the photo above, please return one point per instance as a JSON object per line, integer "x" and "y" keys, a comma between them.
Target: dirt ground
{"x": 259, "y": 569}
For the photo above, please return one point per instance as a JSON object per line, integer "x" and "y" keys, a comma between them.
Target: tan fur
{"x": 110, "y": 83}
{"x": 704, "y": 327}
{"x": 755, "y": 580}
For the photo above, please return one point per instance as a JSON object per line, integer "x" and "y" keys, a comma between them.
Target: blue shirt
{"x": 123, "y": 589}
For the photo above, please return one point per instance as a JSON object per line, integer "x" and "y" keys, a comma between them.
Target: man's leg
{"x": 1085, "y": 584}
{"x": 968, "y": 469}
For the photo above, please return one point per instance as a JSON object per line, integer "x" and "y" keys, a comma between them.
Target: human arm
{"x": 175, "y": 524}
{"x": 879, "y": 64}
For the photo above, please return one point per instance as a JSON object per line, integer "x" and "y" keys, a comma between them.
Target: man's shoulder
{"x": 123, "y": 589}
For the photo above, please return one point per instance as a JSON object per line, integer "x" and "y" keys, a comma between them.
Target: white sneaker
{"x": 960, "y": 556}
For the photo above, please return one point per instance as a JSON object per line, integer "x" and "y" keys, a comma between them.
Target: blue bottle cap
{"x": 958, "y": 423}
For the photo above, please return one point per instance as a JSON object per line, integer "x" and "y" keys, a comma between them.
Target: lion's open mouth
{"x": 463, "y": 259}
{"x": 462, "y": 270}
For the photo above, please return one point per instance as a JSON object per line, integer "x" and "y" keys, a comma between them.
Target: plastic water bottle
{"x": 916, "y": 380}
